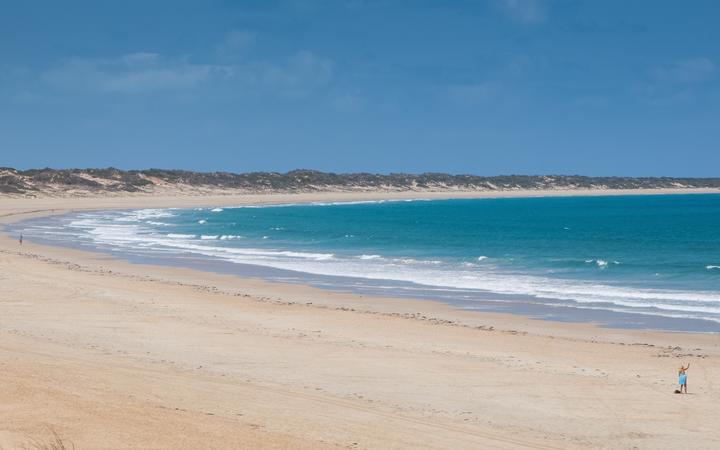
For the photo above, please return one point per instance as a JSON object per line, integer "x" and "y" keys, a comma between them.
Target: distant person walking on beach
{"x": 20, "y": 238}
{"x": 682, "y": 377}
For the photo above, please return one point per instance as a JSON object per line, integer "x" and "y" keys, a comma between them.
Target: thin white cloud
{"x": 236, "y": 44}
{"x": 296, "y": 76}
{"x": 240, "y": 39}
{"x": 678, "y": 82}
{"x": 472, "y": 94}
{"x": 131, "y": 73}
{"x": 302, "y": 73}
{"x": 527, "y": 11}
{"x": 348, "y": 102}
{"x": 687, "y": 71}
{"x": 140, "y": 58}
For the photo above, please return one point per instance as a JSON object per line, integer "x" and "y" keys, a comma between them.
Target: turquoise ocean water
{"x": 632, "y": 256}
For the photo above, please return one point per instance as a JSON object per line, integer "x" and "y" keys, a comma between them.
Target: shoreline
{"x": 517, "y": 305}
{"x": 254, "y": 357}
{"x": 13, "y": 206}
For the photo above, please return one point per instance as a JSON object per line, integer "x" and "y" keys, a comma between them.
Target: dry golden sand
{"x": 116, "y": 355}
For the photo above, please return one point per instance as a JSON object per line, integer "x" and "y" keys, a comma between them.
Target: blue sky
{"x": 485, "y": 87}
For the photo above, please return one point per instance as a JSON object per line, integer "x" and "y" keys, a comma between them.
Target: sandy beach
{"x": 108, "y": 354}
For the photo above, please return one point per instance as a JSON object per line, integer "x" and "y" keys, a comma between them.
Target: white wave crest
{"x": 601, "y": 262}
{"x": 339, "y": 203}
{"x": 140, "y": 215}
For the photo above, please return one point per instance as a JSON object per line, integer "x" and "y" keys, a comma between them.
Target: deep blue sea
{"x": 643, "y": 259}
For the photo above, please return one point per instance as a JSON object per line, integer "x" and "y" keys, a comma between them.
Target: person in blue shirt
{"x": 682, "y": 377}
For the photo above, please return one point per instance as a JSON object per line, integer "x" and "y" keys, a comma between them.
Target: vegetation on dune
{"x": 39, "y": 181}
{"x": 54, "y": 442}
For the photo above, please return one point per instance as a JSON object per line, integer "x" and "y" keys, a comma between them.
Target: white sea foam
{"x": 601, "y": 262}
{"x": 413, "y": 261}
{"x": 314, "y": 256}
{"x": 141, "y": 214}
{"x": 356, "y": 202}
{"x": 216, "y": 210}
{"x": 181, "y": 236}
{"x": 712, "y": 267}
{"x": 339, "y": 203}
{"x": 202, "y": 221}
{"x": 368, "y": 257}
{"x": 482, "y": 258}
{"x": 207, "y": 237}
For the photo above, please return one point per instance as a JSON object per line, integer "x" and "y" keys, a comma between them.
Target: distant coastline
{"x": 114, "y": 182}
